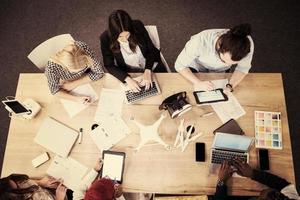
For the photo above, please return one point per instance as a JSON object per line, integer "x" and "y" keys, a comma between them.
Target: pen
{"x": 207, "y": 114}
{"x": 80, "y": 135}
{"x": 214, "y": 87}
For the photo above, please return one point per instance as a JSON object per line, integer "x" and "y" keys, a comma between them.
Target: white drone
{"x": 150, "y": 133}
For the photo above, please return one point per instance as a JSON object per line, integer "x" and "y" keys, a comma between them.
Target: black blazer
{"x": 120, "y": 70}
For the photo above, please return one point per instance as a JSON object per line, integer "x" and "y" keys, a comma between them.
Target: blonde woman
{"x": 72, "y": 66}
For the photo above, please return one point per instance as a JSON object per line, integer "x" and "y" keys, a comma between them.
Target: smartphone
{"x": 263, "y": 159}
{"x": 200, "y": 152}
{"x": 16, "y": 107}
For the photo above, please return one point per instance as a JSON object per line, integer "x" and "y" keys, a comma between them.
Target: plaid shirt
{"x": 55, "y": 72}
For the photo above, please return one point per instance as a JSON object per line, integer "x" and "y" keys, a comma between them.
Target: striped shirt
{"x": 55, "y": 73}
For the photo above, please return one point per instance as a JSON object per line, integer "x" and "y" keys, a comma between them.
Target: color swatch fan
{"x": 268, "y": 130}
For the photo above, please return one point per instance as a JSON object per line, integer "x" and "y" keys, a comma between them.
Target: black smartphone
{"x": 263, "y": 159}
{"x": 200, "y": 152}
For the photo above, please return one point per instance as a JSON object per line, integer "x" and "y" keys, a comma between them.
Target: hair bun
{"x": 241, "y": 30}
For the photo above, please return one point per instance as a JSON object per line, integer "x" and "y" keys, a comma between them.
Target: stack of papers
{"x": 72, "y": 107}
{"x": 67, "y": 169}
{"x": 111, "y": 127}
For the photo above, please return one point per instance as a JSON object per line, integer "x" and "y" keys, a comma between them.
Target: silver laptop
{"x": 228, "y": 147}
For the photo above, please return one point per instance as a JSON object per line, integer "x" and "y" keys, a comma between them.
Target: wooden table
{"x": 153, "y": 169}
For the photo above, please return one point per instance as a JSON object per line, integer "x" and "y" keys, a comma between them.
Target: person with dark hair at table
{"x": 217, "y": 50}
{"x": 22, "y": 187}
{"x": 126, "y": 47}
{"x": 279, "y": 188}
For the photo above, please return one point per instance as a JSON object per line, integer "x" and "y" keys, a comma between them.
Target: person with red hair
{"x": 104, "y": 189}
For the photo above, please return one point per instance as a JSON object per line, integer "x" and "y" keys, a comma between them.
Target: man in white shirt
{"x": 216, "y": 50}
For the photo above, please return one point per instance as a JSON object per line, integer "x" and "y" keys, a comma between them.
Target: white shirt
{"x": 290, "y": 191}
{"x": 200, "y": 53}
{"x": 132, "y": 59}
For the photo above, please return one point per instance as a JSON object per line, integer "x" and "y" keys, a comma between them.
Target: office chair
{"x": 152, "y": 30}
{"x": 41, "y": 54}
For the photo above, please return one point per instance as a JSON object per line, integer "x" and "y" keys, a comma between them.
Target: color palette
{"x": 268, "y": 133}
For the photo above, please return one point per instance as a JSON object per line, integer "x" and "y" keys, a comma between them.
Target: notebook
{"x": 67, "y": 169}
{"x": 56, "y": 137}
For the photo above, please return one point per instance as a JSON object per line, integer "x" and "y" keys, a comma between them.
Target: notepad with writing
{"x": 56, "y": 137}
{"x": 107, "y": 135}
{"x": 67, "y": 169}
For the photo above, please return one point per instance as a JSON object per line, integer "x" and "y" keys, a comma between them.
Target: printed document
{"x": 72, "y": 107}
{"x": 110, "y": 103}
{"x": 68, "y": 169}
{"x": 230, "y": 109}
{"x": 110, "y": 131}
{"x": 111, "y": 127}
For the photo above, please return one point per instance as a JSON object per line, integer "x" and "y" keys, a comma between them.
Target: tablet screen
{"x": 16, "y": 107}
{"x": 214, "y": 95}
{"x": 113, "y": 166}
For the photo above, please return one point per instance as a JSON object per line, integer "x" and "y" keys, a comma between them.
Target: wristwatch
{"x": 228, "y": 85}
{"x": 220, "y": 183}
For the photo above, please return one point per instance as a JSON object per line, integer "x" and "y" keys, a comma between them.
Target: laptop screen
{"x": 231, "y": 141}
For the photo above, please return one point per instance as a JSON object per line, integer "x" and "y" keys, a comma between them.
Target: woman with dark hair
{"x": 127, "y": 47}
{"x": 217, "y": 50}
{"x": 21, "y": 187}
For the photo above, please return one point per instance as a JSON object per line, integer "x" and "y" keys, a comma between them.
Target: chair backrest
{"x": 152, "y": 30}
{"x": 202, "y": 197}
{"x": 41, "y": 54}
{"x": 153, "y": 33}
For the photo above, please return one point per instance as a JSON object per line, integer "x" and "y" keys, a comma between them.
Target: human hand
{"x": 60, "y": 193}
{"x": 227, "y": 91}
{"x": 98, "y": 165}
{"x": 132, "y": 84}
{"x": 243, "y": 168}
{"x": 147, "y": 79}
{"x": 118, "y": 190}
{"x": 48, "y": 182}
{"x": 225, "y": 171}
{"x": 204, "y": 85}
{"x": 83, "y": 99}
{"x": 69, "y": 85}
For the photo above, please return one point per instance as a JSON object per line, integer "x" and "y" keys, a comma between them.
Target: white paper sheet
{"x": 110, "y": 103}
{"x": 112, "y": 127}
{"x": 230, "y": 109}
{"x": 110, "y": 131}
{"x": 68, "y": 169}
{"x": 72, "y": 107}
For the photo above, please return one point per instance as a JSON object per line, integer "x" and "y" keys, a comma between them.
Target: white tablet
{"x": 15, "y": 107}
{"x": 113, "y": 165}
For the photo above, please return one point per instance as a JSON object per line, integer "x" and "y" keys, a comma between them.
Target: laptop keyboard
{"x": 137, "y": 96}
{"x": 218, "y": 156}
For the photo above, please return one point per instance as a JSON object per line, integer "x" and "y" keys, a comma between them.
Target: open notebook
{"x": 67, "y": 169}
{"x": 56, "y": 137}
